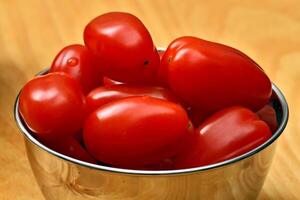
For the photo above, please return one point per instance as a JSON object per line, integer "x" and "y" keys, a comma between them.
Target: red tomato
{"x": 124, "y": 46}
{"x": 72, "y": 148}
{"x": 78, "y": 62}
{"x": 52, "y": 106}
{"x": 136, "y": 131}
{"x": 268, "y": 115}
{"x": 211, "y": 76}
{"x": 226, "y": 134}
{"x": 103, "y": 95}
{"x": 110, "y": 82}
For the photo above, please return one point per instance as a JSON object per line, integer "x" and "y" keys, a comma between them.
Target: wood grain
{"x": 33, "y": 31}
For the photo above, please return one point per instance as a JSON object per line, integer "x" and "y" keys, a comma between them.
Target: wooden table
{"x": 33, "y": 31}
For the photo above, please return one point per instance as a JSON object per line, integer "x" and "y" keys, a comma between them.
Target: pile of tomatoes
{"x": 118, "y": 101}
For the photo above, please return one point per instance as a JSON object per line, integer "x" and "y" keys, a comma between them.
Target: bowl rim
{"x": 28, "y": 135}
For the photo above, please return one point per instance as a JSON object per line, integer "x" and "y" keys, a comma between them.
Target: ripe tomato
{"x": 268, "y": 115}
{"x": 109, "y": 82}
{"x": 136, "y": 131}
{"x": 72, "y": 148}
{"x": 226, "y": 134}
{"x": 124, "y": 46}
{"x": 102, "y": 95}
{"x": 78, "y": 62}
{"x": 211, "y": 76}
{"x": 52, "y": 106}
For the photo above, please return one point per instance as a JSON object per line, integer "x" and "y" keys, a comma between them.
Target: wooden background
{"x": 33, "y": 31}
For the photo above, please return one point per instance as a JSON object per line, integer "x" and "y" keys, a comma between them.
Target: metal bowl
{"x": 64, "y": 178}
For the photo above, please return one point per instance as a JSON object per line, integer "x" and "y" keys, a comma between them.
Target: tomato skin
{"x": 224, "y": 135}
{"x": 72, "y": 148}
{"x": 268, "y": 115}
{"x": 109, "y": 82}
{"x": 162, "y": 72}
{"x": 102, "y": 95}
{"x": 78, "y": 62}
{"x": 211, "y": 76}
{"x": 52, "y": 106}
{"x": 136, "y": 131}
{"x": 117, "y": 38}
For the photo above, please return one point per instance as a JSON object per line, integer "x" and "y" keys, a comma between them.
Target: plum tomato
{"x": 78, "y": 62}
{"x": 224, "y": 135}
{"x": 211, "y": 76}
{"x": 124, "y": 46}
{"x": 53, "y": 106}
{"x": 137, "y": 131}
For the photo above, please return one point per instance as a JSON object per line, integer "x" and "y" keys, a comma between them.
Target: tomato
{"x": 226, "y": 134}
{"x": 78, "y": 62}
{"x": 72, "y": 148}
{"x": 124, "y": 46}
{"x": 52, "y": 105}
{"x": 109, "y": 82}
{"x": 136, "y": 131}
{"x": 210, "y": 76}
{"x": 268, "y": 115}
{"x": 103, "y": 95}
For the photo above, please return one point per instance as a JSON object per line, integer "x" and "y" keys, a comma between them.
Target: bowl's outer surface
{"x": 63, "y": 178}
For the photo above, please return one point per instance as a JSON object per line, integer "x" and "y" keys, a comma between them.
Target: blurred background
{"x": 33, "y": 31}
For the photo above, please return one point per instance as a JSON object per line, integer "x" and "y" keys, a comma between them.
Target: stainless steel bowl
{"x": 64, "y": 178}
